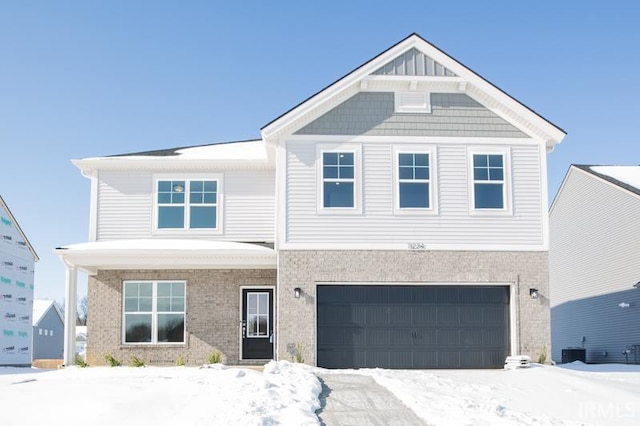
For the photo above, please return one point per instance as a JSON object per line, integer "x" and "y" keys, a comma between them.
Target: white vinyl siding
{"x": 594, "y": 260}
{"x": 125, "y": 206}
{"x": 453, "y": 225}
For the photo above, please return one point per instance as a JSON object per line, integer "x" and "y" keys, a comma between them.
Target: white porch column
{"x": 71, "y": 296}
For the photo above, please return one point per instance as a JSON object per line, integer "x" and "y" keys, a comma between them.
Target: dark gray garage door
{"x": 400, "y": 326}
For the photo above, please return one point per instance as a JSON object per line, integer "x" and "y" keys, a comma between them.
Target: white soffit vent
{"x": 416, "y": 102}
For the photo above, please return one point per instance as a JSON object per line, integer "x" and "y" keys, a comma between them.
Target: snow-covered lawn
{"x": 571, "y": 394}
{"x": 284, "y": 394}
{"x": 288, "y": 394}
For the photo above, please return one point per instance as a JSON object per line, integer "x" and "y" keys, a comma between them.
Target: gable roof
{"x": 626, "y": 177}
{"x": 470, "y": 82}
{"x": 40, "y": 309}
{"x": 17, "y": 225}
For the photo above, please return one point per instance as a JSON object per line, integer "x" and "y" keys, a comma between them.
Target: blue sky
{"x": 87, "y": 78}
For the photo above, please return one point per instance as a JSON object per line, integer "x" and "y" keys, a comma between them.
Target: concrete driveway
{"x": 353, "y": 400}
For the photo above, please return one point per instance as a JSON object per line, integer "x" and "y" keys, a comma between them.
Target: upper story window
{"x": 339, "y": 180}
{"x": 188, "y": 204}
{"x": 154, "y": 312}
{"x": 489, "y": 181}
{"x": 413, "y": 180}
{"x": 415, "y": 185}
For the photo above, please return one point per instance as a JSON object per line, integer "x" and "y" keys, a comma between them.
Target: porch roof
{"x": 166, "y": 254}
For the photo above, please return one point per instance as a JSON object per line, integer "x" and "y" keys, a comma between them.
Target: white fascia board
{"x": 132, "y": 259}
{"x": 405, "y": 247}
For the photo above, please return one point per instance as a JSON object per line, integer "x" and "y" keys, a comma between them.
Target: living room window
{"x": 187, "y": 204}
{"x": 154, "y": 312}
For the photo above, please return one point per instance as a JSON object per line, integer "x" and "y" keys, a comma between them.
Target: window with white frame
{"x": 338, "y": 180}
{"x": 489, "y": 190}
{"x": 154, "y": 312}
{"x": 414, "y": 180}
{"x": 187, "y": 204}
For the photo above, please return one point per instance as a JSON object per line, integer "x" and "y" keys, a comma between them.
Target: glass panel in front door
{"x": 257, "y": 314}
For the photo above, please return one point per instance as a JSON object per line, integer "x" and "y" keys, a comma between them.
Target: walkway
{"x": 350, "y": 400}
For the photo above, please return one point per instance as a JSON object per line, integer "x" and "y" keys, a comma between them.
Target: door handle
{"x": 244, "y": 329}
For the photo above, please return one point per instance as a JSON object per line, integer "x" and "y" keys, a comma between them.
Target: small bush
{"x": 215, "y": 357}
{"x": 112, "y": 361}
{"x": 297, "y": 357}
{"x": 80, "y": 362}
{"x": 542, "y": 358}
{"x": 181, "y": 361}
{"x": 137, "y": 362}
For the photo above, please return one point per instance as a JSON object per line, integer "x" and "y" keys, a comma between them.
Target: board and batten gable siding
{"x": 373, "y": 114}
{"x": 452, "y": 225}
{"x": 594, "y": 260}
{"x": 125, "y": 206}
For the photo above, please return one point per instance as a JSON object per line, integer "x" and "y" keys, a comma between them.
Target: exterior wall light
{"x": 533, "y": 293}
{"x": 296, "y": 292}
{"x": 637, "y": 285}
{"x": 624, "y": 305}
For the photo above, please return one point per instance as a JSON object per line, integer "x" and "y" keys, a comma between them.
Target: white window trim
{"x": 433, "y": 180}
{"x": 356, "y": 149}
{"x": 506, "y": 188}
{"x": 154, "y": 314}
{"x": 421, "y": 109}
{"x": 189, "y": 177}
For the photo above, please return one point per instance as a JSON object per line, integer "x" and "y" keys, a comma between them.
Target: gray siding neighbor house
{"x": 594, "y": 264}
{"x": 397, "y": 218}
{"x": 48, "y": 330}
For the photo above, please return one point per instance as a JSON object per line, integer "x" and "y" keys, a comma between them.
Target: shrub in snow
{"x": 215, "y": 357}
{"x": 137, "y": 362}
{"x": 80, "y": 362}
{"x": 112, "y": 361}
{"x": 181, "y": 361}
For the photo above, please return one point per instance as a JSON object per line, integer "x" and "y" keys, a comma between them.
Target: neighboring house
{"x": 595, "y": 263}
{"x": 397, "y": 218}
{"x": 17, "y": 259}
{"x": 48, "y": 330}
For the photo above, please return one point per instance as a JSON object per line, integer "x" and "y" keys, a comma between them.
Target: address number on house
{"x": 417, "y": 246}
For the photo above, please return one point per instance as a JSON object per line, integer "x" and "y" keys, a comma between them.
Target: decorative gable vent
{"x": 414, "y": 62}
{"x": 416, "y": 102}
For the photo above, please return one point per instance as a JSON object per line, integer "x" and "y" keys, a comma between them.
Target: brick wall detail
{"x": 213, "y": 314}
{"x": 296, "y": 325}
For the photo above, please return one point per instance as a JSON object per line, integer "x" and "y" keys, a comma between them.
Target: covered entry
{"x": 412, "y": 326}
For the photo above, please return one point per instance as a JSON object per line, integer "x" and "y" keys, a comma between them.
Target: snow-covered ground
{"x": 287, "y": 394}
{"x": 284, "y": 394}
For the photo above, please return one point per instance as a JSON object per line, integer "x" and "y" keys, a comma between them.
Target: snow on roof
{"x": 40, "y": 308}
{"x": 629, "y": 175}
{"x": 227, "y": 151}
{"x": 165, "y": 244}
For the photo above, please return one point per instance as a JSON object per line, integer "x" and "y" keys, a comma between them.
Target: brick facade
{"x": 212, "y": 319}
{"x": 522, "y": 270}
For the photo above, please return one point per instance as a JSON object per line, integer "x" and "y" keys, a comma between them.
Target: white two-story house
{"x": 397, "y": 218}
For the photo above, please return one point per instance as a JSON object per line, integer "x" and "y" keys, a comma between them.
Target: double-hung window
{"x": 339, "y": 180}
{"x": 489, "y": 181}
{"x": 188, "y": 204}
{"x": 154, "y": 312}
{"x": 414, "y": 180}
